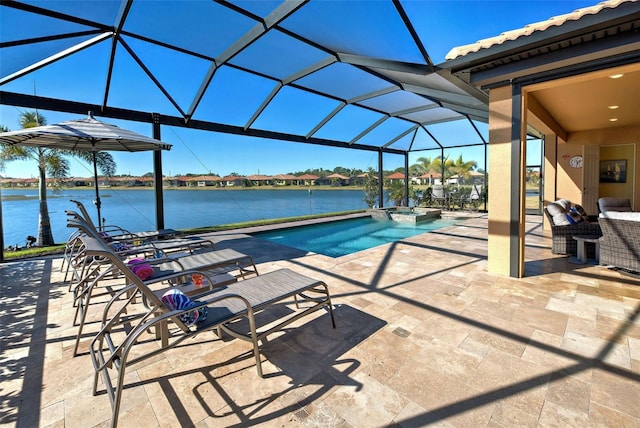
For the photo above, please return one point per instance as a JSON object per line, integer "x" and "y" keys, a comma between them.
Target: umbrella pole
{"x": 95, "y": 179}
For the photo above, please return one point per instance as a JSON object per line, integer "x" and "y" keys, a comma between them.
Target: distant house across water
{"x": 427, "y": 179}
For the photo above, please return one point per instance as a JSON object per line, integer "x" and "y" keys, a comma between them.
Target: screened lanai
{"x": 343, "y": 74}
{"x": 352, "y": 75}
{"x": 348, "y": 74}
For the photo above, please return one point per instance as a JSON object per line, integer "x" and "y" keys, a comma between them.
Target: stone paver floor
{"x": 425, "y": 336}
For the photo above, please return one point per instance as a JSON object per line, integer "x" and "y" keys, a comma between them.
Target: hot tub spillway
{"x": 405, "y": 215}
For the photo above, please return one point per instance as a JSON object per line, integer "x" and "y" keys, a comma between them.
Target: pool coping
{"x": 286, "y": 225}
{"x": 271, "y": 227}
{"x": 248, "y": 235}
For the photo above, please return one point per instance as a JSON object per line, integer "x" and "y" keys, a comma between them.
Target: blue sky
{"x": 441, "y": 26}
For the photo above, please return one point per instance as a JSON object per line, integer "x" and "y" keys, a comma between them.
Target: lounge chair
{"x": 438, "y": 196}
{"x": 131, "y": 244}
{"x": 474, "y": 197}
{"x": 111, "y": 347}
{"x": 563, "y": 230}
{"x": 150, "y": 234}
{"x": 222, "y": 266}
{"x": 73, "y": 243}
{"x": 154, "y": 240}
{"x": 76, "y": 262}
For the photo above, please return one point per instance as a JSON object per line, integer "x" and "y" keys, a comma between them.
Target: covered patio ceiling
{"x": 345, "y": 74}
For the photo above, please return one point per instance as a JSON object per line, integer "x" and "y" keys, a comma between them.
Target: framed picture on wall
{"x": 613, "y": 171}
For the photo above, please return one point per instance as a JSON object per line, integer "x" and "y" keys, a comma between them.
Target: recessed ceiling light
{"x": 613, "y": 119}
{"x": 616, "y": 76}
{"x": 613, "y": 107}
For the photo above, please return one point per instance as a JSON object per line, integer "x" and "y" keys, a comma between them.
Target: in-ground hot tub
{"x": 405, "y": 214}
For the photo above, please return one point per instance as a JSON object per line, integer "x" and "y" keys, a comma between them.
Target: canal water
{"x": 135, "y": 209}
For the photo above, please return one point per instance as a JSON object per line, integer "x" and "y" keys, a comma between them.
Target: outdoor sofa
{"x": 567, "y": 221}
{"x": 620, "y": 241}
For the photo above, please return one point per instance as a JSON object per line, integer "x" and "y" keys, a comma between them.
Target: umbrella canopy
{"x": 86, "y": 134}
{"x": 83, "y": 134}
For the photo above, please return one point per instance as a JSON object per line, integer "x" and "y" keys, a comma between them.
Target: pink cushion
{"x": 142, "y": 270}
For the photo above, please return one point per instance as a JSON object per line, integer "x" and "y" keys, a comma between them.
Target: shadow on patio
{"x": 424, "y": 335}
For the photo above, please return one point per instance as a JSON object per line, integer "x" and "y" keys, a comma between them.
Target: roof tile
{"x": 531, "y": 28}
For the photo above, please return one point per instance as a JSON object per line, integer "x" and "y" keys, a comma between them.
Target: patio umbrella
{"x": 84, "y": 134}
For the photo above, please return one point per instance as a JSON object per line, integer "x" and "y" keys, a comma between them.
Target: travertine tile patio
{"x": 425, "y": 336}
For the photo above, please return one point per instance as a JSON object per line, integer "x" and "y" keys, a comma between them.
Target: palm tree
{"x": 437, "y": 166}
{"x": 462, "y": 168}
{"x": 422, "y": 166}
{"x": 395, "y": 192}
{"x": 370, "y": 188}
{"x": 52, "y": 162}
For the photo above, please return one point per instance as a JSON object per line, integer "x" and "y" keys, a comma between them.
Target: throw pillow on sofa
{"x": 558, "y": 211}
{"x": 574, "y": 217}
{"x": 581, "y": 211}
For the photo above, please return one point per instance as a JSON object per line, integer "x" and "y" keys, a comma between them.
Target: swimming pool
{"x": 339, "y": 238}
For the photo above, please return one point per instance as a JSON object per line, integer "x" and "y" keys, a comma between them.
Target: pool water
{"x": 339, "y": 238}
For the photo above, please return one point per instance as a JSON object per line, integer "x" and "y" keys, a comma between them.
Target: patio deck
{"x": 424, "y": 336}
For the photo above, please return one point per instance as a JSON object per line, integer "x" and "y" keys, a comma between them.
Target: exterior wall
{"x": 543, "y": 121}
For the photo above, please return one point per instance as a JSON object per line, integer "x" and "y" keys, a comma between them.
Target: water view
{"x": 135, "y": 209}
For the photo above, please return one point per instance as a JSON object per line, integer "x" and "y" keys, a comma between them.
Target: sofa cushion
{"x": 621, "y": 215}
{"x": 614, "y": 204}
{"x": 558, "y": 212}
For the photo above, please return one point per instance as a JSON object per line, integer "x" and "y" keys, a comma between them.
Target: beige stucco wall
{"x": 613, "y": 153}
{"x": 561, "y": 180}
{"x": 569, "y": 180}
{"x": 500, "y": 180}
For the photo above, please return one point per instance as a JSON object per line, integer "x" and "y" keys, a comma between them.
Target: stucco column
{"x": 506, "y": 214}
